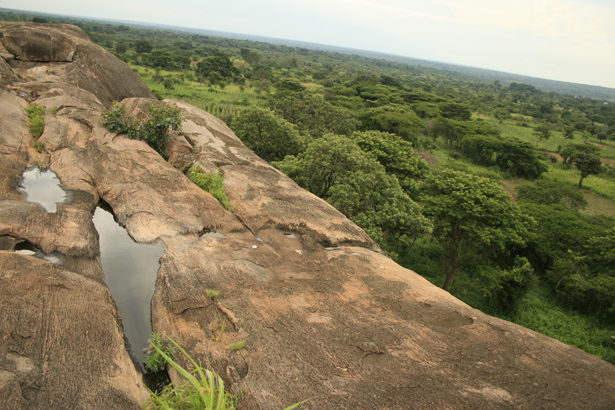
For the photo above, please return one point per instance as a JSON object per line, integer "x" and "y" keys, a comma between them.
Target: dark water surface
{"x": 130, "y": 268}
{"x": 130, "y": 272}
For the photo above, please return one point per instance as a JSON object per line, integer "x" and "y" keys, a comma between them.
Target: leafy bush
{"x": 154, "y": 130}
{"x": 155, "y": 361}
{"x": 36, "y": 115}
{"x": 546, "y": 192}
{"x": 210, "y": 182}
{"x": 270, "y": 137}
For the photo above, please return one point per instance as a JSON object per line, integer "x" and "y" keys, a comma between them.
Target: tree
{"x": 143, "y": 46}
{"x": 588, "y": 164}
{"x": 395, "y": 154}
{"x": 571, "y": 148}
{"x": 394, "y": 119}
{"x": 337, "y": 170}
{"x": 217, "y": 62}
{"x": 546, "y": 192}
{"x": 519, "y": 158}
{"x": 121, "y": 47}
{"x": 269, "y": 136}
{"x": 472, "y": 217}
{"x": 313, "y": 115}
{"x": 543, "y": 131}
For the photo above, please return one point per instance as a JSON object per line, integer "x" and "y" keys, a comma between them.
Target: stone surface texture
{"x": 324, "y": 314}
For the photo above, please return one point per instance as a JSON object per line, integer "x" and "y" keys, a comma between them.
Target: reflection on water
{"x": 130, "y": 272}
{"x": 42, "y": 186}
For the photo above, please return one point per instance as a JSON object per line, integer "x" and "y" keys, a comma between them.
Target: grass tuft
{"x": 210, "y": 182}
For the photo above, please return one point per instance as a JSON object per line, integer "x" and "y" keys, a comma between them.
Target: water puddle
{"x": 214, "y": 235}
{"x": 43, "y": 186}
{"x": 27, "y": 249}
{"x": 130, "y": 272}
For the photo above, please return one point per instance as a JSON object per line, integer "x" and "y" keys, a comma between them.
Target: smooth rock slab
{"x": 49, "y": 318}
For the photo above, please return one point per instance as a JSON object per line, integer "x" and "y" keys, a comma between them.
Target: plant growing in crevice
{"x": 218, "y": 328}
{"x": 155, "y": 361}
{"x": 36, "y": 119}
{"x": 154, "y": 129}
{"x": 213, "y": 294}
{"x": 210, "y": 182}
{"x": 202, "y": 389}
{"x": 238, "y": 346}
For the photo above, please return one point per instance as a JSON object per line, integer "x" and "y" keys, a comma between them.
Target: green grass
{"x": 600, "y": 186}
{"x": 202, "y": 389}
{"x": 210, "y": 182}
{"x": 36, "y": 120}
{"x": 540, "y": 311}
{"x": 213, "y": 99}
{"x": 508, "y": 128}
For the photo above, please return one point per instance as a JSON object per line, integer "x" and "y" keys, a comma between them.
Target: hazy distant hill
{"x": 582, "y": 90}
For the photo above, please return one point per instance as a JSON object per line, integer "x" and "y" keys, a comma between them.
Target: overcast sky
{"x": 566, "y": 40}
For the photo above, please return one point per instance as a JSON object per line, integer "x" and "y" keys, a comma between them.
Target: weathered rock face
{"x": 324, "y": 315}
{"x": 90, "y": 66}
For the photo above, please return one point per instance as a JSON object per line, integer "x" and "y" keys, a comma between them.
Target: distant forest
{"x": 498, "y": 191}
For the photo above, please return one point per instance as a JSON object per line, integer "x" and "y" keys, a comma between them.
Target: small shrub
{"x": 213, "y": 294}
{"x": 54, "y": 110}
{"x": 155, "y": 361}
{"x": 210, "y": 182}
{"x": 38, "y": 145}
{"x": 154, "y": 130}
{"x": 36, "y": 115}
{"x": 239, "y": 345}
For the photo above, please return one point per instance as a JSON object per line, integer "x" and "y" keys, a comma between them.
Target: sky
{"x": 565, "y": 40}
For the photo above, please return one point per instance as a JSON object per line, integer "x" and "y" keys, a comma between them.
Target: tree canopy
{"x": 337, "y": 170}
{"x": 472, "y": 217}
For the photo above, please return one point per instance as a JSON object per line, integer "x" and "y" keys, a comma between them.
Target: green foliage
{"x": 206, "y": 392}
{"x": 519, "y": 159}
{"x": 202, "y": 389}
{"x": 213, "y": 294}
{"x": 567, "y": 151}
{"x": 218, "y": 63}
{"x": 268, "y": 135}
{"x": 154, "y": 130}
{"x": 541, "y": 311}
{"x": 586, "y": 279}
{"x": 558, "y": 230}
{"x": 503, "y": 288}
{"x": 239, "y": 345}
{"x": 472, "y": 217}
{"x": 587, "y": 164}
{"x": 313, "y": 115}
{"x": 546, "y": 192}
{"x": 543, "y": 131}
{"x": 155, "y": 361}
{"x": 337, "y": 170}
{"x": 395, "y": 154}
{"x": 36, "y": 117}
{"x": 38, "y": 146}
{"x": 394, "y": 119}
{"x": 211, "y": 182}
{"x": 143, "y": 46}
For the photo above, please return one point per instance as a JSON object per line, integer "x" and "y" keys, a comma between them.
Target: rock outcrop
{"x": 324, "y": 314}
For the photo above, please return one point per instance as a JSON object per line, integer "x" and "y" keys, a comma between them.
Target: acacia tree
{"x": 269, "y": 136}
{"x": 472, "y": 217}
{"x": 588, "y": 164}
{"x": 337, "y": 170}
